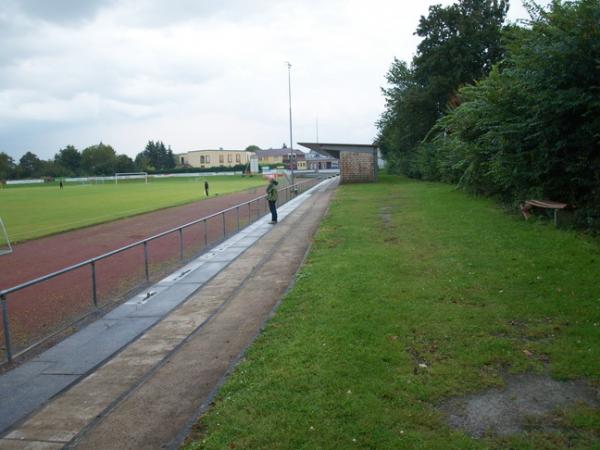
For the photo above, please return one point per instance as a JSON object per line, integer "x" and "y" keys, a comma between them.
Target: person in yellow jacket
{"x": 272, "y": 199}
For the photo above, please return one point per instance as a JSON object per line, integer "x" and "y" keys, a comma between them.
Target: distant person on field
{"x": 272, "y": 199}
{"x": 60, "y": 184}
{"x": 206, "y": 187}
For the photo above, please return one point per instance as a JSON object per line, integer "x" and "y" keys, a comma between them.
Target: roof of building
{"x": 315, "y": 156}
{"x": 333, "y": 150}
{"x": 279, "y": 152}
{"x": 216, "y": 150}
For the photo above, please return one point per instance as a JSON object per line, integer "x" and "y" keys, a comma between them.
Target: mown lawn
{"x": 404, "y": 275}
{"x": 33, "y": 211}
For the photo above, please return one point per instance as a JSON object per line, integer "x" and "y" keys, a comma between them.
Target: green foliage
{"x": 124, "y": 164}
{"x": 98, "y": 160}
{"x": 532, "y": 127}
{"x": 29, "y": 166}
{"x": 52, "y": 169}
{"x": 252, "y": 148}
{"x": 460, "y": 44}
{"x": 7, "y": 166}
{"x": 155, "y": 157}
{"x": 69, "y": 158}
{"x": 95, "y": 160}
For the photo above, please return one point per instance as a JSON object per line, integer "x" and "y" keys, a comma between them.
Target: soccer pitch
{"x": 34, "y": 211}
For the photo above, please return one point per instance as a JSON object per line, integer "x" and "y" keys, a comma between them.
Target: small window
{"x": 221, "y": 159}
{"x": 201, "y": 159}
{"x": 237, "y": 158}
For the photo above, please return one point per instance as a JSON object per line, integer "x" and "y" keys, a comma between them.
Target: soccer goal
{"x": 131, "y": 176}
{"x": 4, "y": 241}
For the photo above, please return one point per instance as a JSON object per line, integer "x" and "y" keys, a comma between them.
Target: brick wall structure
{"x": 358, "y": 167}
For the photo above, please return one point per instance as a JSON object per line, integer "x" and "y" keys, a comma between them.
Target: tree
{"x": 69, "y": 158}
{"x": 532, "y": 127}
{"x": 7, "y": 166}
{"x": 142, "y": 163}
{"x": 98, "y": 160}
{"x": 155, "y": 157}
{"x": 53, "y": 169}
{"x": 460, "y": 44}
{"x": 124, "y": 164}
{"x": 29, "y": 165}
{"x": 252, "y": 148}
{"x": 169, "y": 159}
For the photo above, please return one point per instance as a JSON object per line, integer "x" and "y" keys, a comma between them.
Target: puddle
{"x": 510, "y": 410}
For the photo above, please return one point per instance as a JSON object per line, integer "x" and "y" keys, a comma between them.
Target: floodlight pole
{"x": 291, "y": 154}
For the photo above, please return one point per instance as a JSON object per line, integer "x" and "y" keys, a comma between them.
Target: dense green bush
{"x": 532, "y": 127}
{"x": 528, "y": 129}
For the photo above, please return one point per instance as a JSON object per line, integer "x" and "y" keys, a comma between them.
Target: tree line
{"x": 96, "y": 160}
{"x": 510, "y": 111}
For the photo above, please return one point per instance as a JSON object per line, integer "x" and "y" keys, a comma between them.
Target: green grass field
{"x": 414, "y": 292}
{"x": 34, "y": 211}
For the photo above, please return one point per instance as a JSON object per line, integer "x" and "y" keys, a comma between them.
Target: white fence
{"x": 24, "y": 181}
{"x": 112, "y": 178}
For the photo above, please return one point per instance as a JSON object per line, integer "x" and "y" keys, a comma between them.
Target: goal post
{"x": 131, "y": 176}
{"x": 5, "y": 246}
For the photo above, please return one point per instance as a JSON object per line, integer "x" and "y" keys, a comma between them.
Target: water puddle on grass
{"x": 526, "y": 400}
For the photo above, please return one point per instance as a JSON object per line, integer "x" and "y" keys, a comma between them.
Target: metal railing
{"x": 285, "y": 194}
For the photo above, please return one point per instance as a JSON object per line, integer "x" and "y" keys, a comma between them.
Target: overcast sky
{"x": 197, "y": 74}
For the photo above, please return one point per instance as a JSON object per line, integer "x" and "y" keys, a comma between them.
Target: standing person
{"x": 60, "y": 184}
{"x": 206, "y": 187}
{"x": 272, "y": 198}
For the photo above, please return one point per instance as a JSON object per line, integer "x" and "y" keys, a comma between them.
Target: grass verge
{"x": 414, "y": 292}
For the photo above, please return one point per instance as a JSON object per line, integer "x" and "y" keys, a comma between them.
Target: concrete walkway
{"x": 139, "y": 377}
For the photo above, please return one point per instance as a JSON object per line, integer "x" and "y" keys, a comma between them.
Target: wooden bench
{"x": 555, "y": 206}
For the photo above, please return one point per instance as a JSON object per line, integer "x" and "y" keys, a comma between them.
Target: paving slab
{"x": 164, "y": 302}
{"x": 23, "y": 399}
{"x": 77, "y": 360}
{"x": 209, "y": 269}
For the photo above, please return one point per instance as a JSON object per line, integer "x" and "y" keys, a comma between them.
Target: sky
{"x": 197, "y": 74}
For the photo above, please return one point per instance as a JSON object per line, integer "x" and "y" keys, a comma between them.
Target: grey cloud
{"x": 37, "y": 137}
{"x": 153, "y": 13}
{"x": 60, "y": 11}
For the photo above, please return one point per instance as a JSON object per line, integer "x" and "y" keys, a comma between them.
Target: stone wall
{"x": 357, "y": 167}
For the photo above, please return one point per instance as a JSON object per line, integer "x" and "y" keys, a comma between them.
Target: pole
{"x": 146, "y": 261}
{"x": 94, "y": 288}
{"x": 292, "y": 156}
{"x": 181, "y": 244}
{"x": 5, "y": 324}
{"x": 317, "y": 126}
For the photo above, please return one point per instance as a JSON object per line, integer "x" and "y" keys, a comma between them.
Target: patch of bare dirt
{"x": 524, "y": 400}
